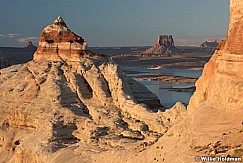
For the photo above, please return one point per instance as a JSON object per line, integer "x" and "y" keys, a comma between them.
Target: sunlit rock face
{"x": 57, "y": 42}
{"x": 69, "y": 102}
{"x": 234, "y": 40}
{"x": 221, "y": 84}
{"x": 213, "y": 125}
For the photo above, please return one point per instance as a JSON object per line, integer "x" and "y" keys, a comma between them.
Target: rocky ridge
{"x": 69, "y": 104}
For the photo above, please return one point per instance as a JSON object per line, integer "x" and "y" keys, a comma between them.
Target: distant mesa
{"x": 211, "y": 43}
{"x": 57, "y": 42}
{"x": 164, "y": 45}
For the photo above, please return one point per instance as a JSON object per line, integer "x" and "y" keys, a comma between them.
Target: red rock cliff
{"x": 221, "y": 84}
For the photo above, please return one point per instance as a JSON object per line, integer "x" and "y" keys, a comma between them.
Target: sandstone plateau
{"x": 71, "y": 105}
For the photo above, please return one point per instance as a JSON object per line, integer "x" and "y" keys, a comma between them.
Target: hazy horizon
{"x": 114, "y": 23}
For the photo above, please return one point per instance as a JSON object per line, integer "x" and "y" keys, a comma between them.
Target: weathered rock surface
{"x": 84, "y": 111}
{"x": 221, "y": 84}
{"x": 164, "y": 45}
{"x": 213, "y": 125}
{"x": 57, "y": 42}
{"x": 3, "y": 61}
{"x": 74, "y": 109}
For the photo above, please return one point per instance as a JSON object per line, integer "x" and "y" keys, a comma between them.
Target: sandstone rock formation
{"x": 57, "y": 42}
{"x": 72, "y": 105}
{"x": 164, "y": 45}
{"x": 3, "y": 61}
{"x": 62, "y": 110}
{"x": 222, "y": 80}
{"x": 214, "y": 124}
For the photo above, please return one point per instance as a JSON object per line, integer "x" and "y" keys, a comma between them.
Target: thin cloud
{"x": 27, "y": 39}
{"x": 10, "y": 35}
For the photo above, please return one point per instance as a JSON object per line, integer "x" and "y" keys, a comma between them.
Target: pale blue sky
{"x": 116, "y": 22}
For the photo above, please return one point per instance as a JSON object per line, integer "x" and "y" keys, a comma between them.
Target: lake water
{"x": 160, "y": 88}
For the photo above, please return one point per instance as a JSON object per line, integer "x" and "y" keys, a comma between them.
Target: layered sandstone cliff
{"x": 222, "y": 80}
{"x": 84, "y": 110}
{"x": 57, "y": 42}
{"x": 214, "y": 124}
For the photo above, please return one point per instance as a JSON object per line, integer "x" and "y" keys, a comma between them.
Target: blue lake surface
{"x": 160, "y": 88}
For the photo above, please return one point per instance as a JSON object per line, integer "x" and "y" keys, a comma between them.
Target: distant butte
{"x": 164, "y": 45}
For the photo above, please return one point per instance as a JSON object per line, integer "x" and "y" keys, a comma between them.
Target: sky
{"x": 107, "y": 23}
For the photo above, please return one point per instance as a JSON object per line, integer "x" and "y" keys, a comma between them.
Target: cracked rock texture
{"x": 62, "y": 107}
{"x": 82, "y": 108}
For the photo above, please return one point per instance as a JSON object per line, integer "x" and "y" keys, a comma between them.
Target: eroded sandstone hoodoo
{"x": 57, "y": 42}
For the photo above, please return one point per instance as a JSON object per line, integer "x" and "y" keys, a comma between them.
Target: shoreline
{"x": 168, "y": 78}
